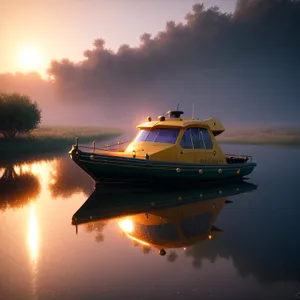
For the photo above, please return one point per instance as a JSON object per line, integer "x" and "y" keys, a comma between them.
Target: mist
{"x": 55, "y": 110}
{"x": 238, "y": 67}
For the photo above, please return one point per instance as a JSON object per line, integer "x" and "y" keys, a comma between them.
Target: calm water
{"x": 249, "y": 248}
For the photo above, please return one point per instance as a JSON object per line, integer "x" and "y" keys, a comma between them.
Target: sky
{"x": 239, "y": 67}
{"x": 66, "y": 28}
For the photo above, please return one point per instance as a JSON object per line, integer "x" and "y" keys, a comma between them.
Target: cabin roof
{"x": 211, "y": 123}
{"x": 170, "y": 123}
{"x": 166, "y": 123}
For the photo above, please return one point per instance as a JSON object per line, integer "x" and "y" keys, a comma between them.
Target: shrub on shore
{"x": 18, "y": 114}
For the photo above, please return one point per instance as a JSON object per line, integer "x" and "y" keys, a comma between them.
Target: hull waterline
{"x": 123, "y": 169}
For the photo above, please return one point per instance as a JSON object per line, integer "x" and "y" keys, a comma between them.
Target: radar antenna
{"x": 193, "y": 111}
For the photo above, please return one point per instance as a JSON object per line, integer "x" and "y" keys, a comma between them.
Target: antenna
{"x": 193, "y": 111}
{"x": 178, "y": 106}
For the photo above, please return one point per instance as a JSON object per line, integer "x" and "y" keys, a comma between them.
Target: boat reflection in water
{"x": 163, "y": 219}
{"x": 175, "y": 227}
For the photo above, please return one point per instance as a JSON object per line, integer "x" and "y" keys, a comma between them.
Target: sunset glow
{"x": 126, "y": 225}
{"x": 29, "y": 59}
{"x": 33, "y": 235}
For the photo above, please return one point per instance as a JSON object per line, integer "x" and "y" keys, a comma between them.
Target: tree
{"x": 17, "y": 190}
{"x": 18, "y": 114}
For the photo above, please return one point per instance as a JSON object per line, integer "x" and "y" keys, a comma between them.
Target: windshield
{"x": 159, "y": 135}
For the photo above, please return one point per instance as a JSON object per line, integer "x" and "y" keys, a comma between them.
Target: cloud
{"x": 239, "y": 60}
{"x": 242, "y": 66}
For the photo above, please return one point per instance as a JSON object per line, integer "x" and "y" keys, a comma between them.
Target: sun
{"x": 29, "y": 58}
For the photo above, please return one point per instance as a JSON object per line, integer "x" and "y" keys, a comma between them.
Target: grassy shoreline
{"x": 52, "y": 139}
{"x": 261, "y": 143}
{"x": 269, "y": 136}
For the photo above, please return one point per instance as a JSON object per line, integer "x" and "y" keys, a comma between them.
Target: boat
{"x": 163, "y": 218}
{"x": 168, "y": 149}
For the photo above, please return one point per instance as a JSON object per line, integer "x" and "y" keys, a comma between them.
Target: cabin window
{"x": 196, "y": 138}
{"x": 158, "y": 135}
{"x": 186, "y": 140}
{"x": 142, "y": 135}
{"x": 207, "y": 139}
{"x": 152, "y": 135}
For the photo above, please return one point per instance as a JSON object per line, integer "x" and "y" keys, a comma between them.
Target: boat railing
{"x": 106, "y": 148}
{"x": 247, "y": 158}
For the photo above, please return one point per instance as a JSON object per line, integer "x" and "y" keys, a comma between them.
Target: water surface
{"x": 245, "y": 249}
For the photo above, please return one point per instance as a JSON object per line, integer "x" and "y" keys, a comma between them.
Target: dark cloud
{"x": 226, "y": 63}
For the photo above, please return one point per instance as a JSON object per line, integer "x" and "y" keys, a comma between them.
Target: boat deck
{"x": 230, "y": 158}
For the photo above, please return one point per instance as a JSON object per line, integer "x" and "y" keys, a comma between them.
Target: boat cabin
{"x": 177, "y": 139}
{"x": 165, "y": 150}
{"x": 174, "y": 227}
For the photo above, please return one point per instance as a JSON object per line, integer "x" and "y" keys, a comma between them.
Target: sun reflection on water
{"x": 126, "y": 225}
{"x": 33, "y": 245}
{"x": 33, "y": 235}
